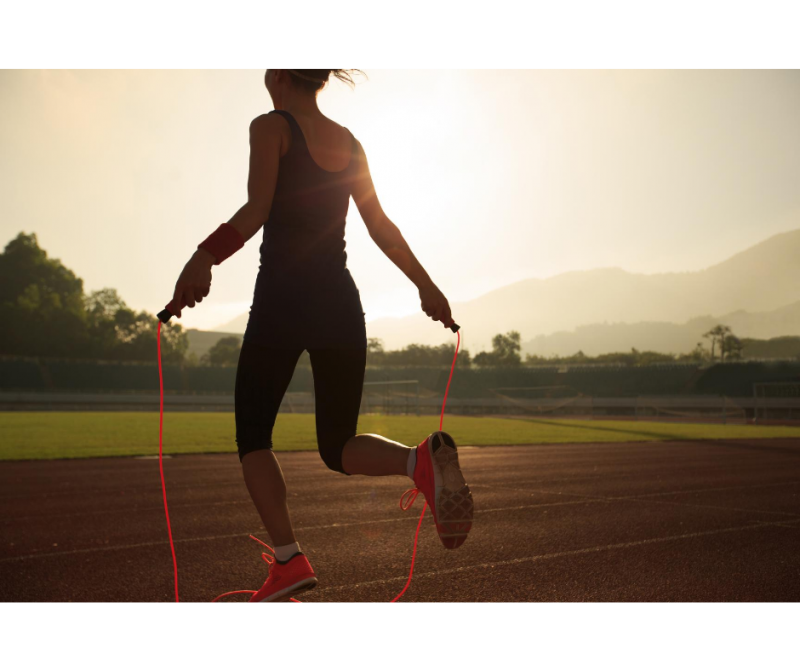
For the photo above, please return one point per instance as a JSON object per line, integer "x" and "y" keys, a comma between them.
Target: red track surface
{"x": 674, "y": 521}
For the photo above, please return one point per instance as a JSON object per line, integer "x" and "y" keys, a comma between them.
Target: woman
{"x": 304, "y": 168}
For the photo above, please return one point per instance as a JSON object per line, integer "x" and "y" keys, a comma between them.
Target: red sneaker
{"x": 438, "y": 476}
{"x": 286, "y": 579}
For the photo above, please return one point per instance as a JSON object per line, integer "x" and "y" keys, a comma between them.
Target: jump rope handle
{"x": 168, "y": 312}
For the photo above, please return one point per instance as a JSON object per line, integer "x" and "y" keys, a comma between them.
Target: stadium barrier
{"x": 392, "y": 399}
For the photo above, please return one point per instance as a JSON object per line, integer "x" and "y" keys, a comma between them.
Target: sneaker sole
{"x": 454, "y": 505}
{"x": 289, "y": 592}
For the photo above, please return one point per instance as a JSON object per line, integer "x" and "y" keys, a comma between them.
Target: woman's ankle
{"x": 411, "y": 464}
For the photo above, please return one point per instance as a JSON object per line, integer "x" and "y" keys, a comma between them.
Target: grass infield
{"x": 78, "y": 435}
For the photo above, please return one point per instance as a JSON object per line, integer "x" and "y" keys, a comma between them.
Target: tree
{"x": 374, "y": 346}
{"x": 732, "y": 347}
{"x": 41, "y": 303}
{"x": 225, "y": 352}
{"x": 43, "y": 312}
{"x": 505, "y": 351}
{"x": 717, "y": 334}
{"x": 724, "y": 332}
{"x": 649, "y": 357}
{"x": 136, "y": 338}
{"x": 415, "y": 355}
{"x": 101, "y": 308}
{"x": 712, "y": 336}
{"x": 535, "y": 359}
{"x": 174, "y": 345}
{"x": 699, "y": 353}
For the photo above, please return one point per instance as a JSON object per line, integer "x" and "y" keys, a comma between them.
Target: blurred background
{"x": 612, "y": 242}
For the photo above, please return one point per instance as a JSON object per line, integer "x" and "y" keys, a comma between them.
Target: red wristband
{"x": 222, "y": 243}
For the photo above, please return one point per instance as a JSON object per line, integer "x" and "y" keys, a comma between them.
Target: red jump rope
{"x": 164, "y": 316}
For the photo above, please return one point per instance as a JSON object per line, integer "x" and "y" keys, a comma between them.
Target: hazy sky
{"x": 493, "y": 176}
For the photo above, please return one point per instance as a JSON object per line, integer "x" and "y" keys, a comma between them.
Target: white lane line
{"x": 668, "y": 503}
{"x": 580, "y": 500}
{"x": 335, "y": 525}
{"x": 382, "y": 492}
{"x": 136, "y": 510}
{"x": 552, "y": 555}
{"x": 679, "y": 491}
{"x": 473, "y": 485}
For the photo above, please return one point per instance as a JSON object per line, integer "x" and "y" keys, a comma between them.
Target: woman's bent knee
{"x": 331, "y": 454}
{"x": 244, "y": 450}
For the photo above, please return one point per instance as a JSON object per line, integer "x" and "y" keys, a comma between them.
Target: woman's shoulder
{"x": 268, "y": 121}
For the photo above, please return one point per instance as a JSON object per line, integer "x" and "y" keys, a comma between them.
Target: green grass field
{"x": 76, "y": 435}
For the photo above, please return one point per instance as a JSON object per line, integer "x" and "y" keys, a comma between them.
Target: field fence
{"x": 407, "y": 399}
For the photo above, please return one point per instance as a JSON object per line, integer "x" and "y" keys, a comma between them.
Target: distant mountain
{"x": 202, "y": 341}
{"x": 664, "y": 337}
{"x": 757, "y": 328}
{"x": 763, "y": 278}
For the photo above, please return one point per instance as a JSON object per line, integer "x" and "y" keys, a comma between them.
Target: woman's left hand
{"x": 194, "y": 282}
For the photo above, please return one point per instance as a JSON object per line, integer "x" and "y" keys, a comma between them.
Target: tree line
{"x": 505, "y": 353}
{"x": 44, "y": 312}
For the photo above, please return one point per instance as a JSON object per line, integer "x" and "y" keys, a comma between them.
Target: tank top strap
{"x": 297, "y": 132}
{"x": 353, "y": 147}
{"x": 299, "y": 137}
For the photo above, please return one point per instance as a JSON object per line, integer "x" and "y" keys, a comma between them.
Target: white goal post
{"x": 776, "y": 400}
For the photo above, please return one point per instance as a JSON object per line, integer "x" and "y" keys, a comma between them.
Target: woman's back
{"x": 303, "y": 274}
{"x": 329, "y": 144}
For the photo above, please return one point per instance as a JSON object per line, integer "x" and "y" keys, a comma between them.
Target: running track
{"x": 670, "y": 521}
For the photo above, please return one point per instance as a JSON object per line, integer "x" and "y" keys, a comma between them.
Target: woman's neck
{"x": 300, "y": 106}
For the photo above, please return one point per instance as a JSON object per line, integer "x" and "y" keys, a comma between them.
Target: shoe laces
{"x": 269, "y": 558}
{"x": 411, "y": 493}
{"x": 412, "y": 496}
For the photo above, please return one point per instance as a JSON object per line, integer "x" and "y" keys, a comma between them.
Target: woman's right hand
{"x": 435, "y": 305}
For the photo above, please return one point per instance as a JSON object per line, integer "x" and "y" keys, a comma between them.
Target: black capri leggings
{"x": 264, "y": 374}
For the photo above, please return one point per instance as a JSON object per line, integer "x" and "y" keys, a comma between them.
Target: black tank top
{"x": 304, "y": 293}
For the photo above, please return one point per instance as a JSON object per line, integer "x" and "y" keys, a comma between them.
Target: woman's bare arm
{"x": 381, "y": 229}
{"x": 392, "y": 243}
